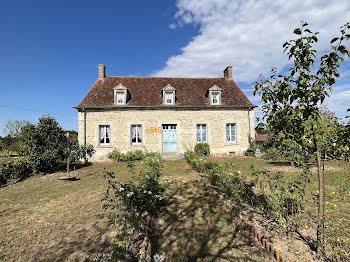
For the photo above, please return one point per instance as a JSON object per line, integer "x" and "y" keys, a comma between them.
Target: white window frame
{"x": 217, "y": 91}
{"x": 122, "y": 98}
{"x": 120, "y": 89}
{"x": 106, "y": 130}
{"x": 166, "y": 93}
{"x": 141, "y": 136}
{"x": 230, "y": 133}
{"x": 169, "y": 90}
{"x": 217, "y": 95}
{"x": 200, "y": 130}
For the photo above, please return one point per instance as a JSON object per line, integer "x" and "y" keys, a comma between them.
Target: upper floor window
{"x": 120, "y": 98}
{"x": 201, "y": 133}
{"x": 136, "y": 134}
{"x": 231, "y": 133}
{"x": 169, "y": 95}
{"x": 120, "y": 95}
{"x": 215, "y": 95}
{"x": 104, "y": 135}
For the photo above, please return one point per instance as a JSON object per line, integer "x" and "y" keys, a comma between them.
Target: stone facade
{"x": 120, "y": 121}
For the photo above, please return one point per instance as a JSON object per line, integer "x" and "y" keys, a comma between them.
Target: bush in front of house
{"x": 223, "y": 175}
{"x": 202, "y": 149}
{"x": 137, "y": 202}
{"x": 131, "y": 155}
{"x": 252, "y": 147}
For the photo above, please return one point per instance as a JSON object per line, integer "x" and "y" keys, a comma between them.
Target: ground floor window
{"x": 105, "y": 134}
{"x": 201, "y": 133}
{"x": 136, "y": 134}
{"x": 231, "y": 132}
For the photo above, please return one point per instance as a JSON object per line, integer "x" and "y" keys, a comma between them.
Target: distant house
{"x": 261, "y": 138}
{"x": 165, "y": 114}
{"x": 71, "y": 134}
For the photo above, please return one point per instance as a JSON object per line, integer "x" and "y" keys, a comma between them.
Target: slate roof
{"x": 148, "y": 91}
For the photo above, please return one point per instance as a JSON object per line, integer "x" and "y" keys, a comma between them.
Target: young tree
{"x": 290, "y": 102}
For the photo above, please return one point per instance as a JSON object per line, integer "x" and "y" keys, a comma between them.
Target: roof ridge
{"x": 170, "y": 77}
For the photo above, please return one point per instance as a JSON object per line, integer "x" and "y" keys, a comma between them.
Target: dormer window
{"x": 120, "y": 95}
{"x": 169, "y": 95}
{"x": 120, "y": 98}
{"x": 215, "y": 95}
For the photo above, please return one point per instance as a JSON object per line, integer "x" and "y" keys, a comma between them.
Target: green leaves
{"x": 334, "y": 39}
{"x": 297, "y": 31}
{"x": 300, "y": 88}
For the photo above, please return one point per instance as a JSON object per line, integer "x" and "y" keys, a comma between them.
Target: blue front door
{"x": 169, "y": 138}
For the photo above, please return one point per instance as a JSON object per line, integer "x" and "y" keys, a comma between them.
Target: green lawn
{"x": 45, "y": 220}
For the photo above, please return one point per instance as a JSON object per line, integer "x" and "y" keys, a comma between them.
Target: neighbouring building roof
{"x": 261, "y": 137}
{"x": 148, "y": 91}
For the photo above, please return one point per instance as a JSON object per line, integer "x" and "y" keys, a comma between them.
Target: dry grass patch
{"x": 195, "y": 227}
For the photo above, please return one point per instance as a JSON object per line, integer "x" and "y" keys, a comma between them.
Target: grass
{"x": 42, "y": 219}
{"x": 337, "y": 182}
{"x": 337, "y": 176}
{"x": 196, "y": 227}
{"x": 45, "y": 220}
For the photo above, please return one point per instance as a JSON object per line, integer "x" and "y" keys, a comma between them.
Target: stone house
{"x": 165, "y": 114}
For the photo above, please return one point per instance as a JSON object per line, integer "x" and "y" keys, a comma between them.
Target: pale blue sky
{"x": 49, "y": 50}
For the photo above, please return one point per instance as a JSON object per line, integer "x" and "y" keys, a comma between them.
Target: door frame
{"x": 177, "y": 140}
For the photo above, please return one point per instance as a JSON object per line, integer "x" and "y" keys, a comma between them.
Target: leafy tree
{"x": 44, "y": 144}
{"x": 290, "y": 102}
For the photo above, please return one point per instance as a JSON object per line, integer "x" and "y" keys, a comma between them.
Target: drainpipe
{"x": 250, "y": 133}
{"x": 84, "y": 126}
{"x": 85, "y": 158}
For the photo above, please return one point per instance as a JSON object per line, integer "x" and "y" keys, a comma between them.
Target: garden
{"x": 286, "y": 200}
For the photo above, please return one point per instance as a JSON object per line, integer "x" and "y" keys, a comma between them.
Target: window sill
{"x": 104, "y": 146}
{"x": 136, "y": 145}
{"x": 231, "y": 144}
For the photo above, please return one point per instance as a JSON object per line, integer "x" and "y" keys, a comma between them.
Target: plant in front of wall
{"x": 202, "y": 149}
{"x": 136, "y": 202}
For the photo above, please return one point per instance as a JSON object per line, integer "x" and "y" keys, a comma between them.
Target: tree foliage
{"x": 44, "y": 144}
{"x": 290, "y": 102}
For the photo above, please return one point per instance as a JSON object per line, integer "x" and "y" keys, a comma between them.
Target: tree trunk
{"x": 321, "y": 205}
{"x": 67, "y": 166}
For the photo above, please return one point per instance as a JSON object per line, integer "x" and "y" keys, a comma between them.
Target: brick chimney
{"x": 228, "y": 73}
{"x": 101, "y": 71}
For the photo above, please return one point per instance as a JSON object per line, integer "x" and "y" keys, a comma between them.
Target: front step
{"x": 171, "y": 156}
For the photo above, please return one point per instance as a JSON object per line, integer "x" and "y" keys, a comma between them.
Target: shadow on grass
{"x": 195, "y": 227}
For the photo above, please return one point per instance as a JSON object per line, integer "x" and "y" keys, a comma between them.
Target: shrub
{"x": 116, "y": 155}
{"x": 224, "y": 176}
{"x": 252, "y": 147}
{"x": 22, "y": 169}
{"x": 137, "y": 201}
{"x": 17, "y": 170}
{"x": 5, "y": 173}
{"x": 202, "y": 149}
{"x": 132, "y": 155}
